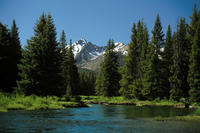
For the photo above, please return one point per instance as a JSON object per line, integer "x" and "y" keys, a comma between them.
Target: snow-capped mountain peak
{"x": 81, "y": 42}
{"x": 78, "y": 46}
{"x": 86, "y": 51}
{"x": 118, "y": 46}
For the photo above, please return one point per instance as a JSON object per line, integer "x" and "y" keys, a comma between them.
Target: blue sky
{"x": 94, "y": 20}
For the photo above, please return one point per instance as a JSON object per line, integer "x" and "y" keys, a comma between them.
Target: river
{"x": 99, "y": 119}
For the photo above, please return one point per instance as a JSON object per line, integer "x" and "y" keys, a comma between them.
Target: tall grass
{"x": 33, "y": 102}
{"x": 107, "y": 100}
{"x": 122, "y": 100}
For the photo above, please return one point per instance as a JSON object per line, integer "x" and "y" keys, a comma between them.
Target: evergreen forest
{"x": 165, "y": 66}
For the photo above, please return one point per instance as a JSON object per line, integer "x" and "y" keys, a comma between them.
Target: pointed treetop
{"x": 168, "y": 33}
{"x": 133, "y": 36}
{"x": 70, "y": 43}
{"x": 14, "y": 32}
{"x": 158, "y": 35}
{"x": 158, "y": 26}
{"x": 63, "y": 38}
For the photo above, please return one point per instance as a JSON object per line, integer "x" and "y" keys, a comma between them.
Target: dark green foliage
{"x": 5, "y": 59}
{"x": 87, "y": 83}
{"x": 107, "y": 83}
{"x": 193, "y": 23}
{"x": 63, "y": 45}
{"x": 179, "y": 84}
{"x": 62, "y": 48}
{"x": 71, "y": 74}
{"x": 10, "y": 54}
{"x": 17, "y": 53}
{"x": 194, "y": 71}
{"x": 99, "y": 90}
{"x": 134, "y": 80}
{"x": 146, "y": 65}
{"x": 130, "y": 69}
{"x": 167, "y": 59}
{"x": 40, "y": 63}
{"x": 16, "y": 42}
{"x": 157, "y": 78}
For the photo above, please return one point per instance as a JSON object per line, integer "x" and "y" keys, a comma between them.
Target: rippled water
{"x": 98, "y": 118}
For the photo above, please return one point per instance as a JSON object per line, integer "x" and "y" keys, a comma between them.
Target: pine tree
{"x": 10, "y": 55}
{"x": 194, "y": 67}
{"x": 17, "y": 54}
{"x": 145, "y": 43}
{"x": 87, "y": 83}
{"x": 62, "y": 44}
{"x": 16, "y": 42}
{"x": 157, "y": 81}
{"x": 6, "y": 51}
{"x": 72, "y": 76}
{"x": 193, "y": 23}
{"x": 109, "y": 76}
{"x": 145, "y": 65}
{"x": 40, "y": 63}
{"x": 167, "y": 58}
{"x": 130, "y": 69}
{"x": 178, "y": 81}
{"x": 137, "y": 84}
{"x": 99, "y": 90}
{"x": 62, "y": 48}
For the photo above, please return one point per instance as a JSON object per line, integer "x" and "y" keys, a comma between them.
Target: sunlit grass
{"x": 163, "y": 102}
{"x": 122, "y": 100}
{"x": 107, "y": 100}
{"x": 20, "y": 102}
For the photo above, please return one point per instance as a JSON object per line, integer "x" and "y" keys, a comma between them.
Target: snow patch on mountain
{"x": 77, "y": 46}
{"x": 85, "y": 51}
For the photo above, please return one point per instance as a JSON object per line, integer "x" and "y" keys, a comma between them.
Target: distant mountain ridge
{"x": 90, "y": 56}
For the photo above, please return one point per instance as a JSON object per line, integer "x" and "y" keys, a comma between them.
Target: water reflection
{"x": 110, "y": 111}
{"x": 99, "y": 118}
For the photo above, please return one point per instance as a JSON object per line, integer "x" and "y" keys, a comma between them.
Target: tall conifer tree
{"x": 71, "y": 75}
{"x": 99, "y": 90}
{"x": 40, "y": 64}
{"x": 108, "y": 77}
{"x": 146, "y": 65}
{"x": 130, "y": 69}
{"x": 193, "y": 23}
{"x": 179, "y": 84}
{"x": 157, "y": 81}
{"x": 6, "y": 65}
{"x": 167, "y": 59}
{"x": 194, "y": 67}
{"x": 62, "y": 48}
{"x": 10, "y": 55}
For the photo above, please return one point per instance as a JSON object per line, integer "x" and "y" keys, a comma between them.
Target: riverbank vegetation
{"x": 33, "y": 102}
{"x": 120, "y": 100}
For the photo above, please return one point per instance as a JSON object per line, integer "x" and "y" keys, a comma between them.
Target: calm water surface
{"x": 99, "y": 119}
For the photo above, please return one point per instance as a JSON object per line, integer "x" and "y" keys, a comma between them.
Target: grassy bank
{"x": 107, "y": 100}
{"x": 20, "y": 102}
{"x": 121, "y": 100}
